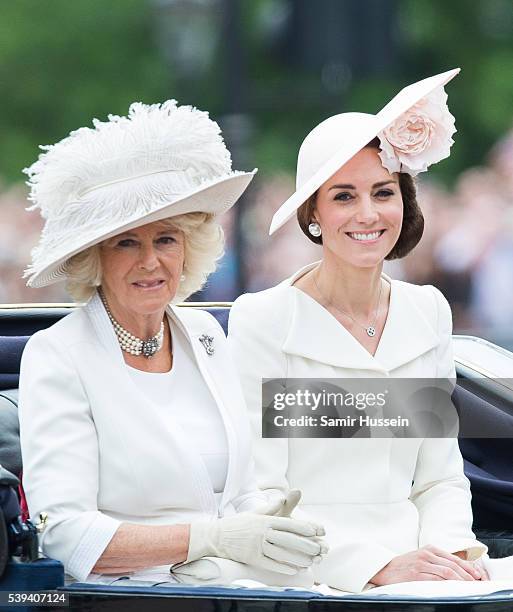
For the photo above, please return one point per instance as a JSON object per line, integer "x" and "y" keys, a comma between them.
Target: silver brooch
{"x": 208, "y": 343}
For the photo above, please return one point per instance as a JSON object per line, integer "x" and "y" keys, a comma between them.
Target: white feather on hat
{"x": 159, "y": 161}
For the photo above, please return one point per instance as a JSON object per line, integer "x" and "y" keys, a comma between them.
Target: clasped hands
{"x": 268, "y": 538}
{"x": 429, "y": 563}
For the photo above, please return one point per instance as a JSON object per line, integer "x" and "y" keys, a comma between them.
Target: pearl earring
{"x": 182, "y": 278}
{"x": 315, "y": 229}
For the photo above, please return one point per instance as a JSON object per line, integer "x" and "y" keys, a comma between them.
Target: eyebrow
{"x": 161, "y": 233}
{"x": 348, "y": 186}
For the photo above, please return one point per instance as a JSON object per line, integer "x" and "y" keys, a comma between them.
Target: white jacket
{"x": 96, "y": 453}
{"x": 359, "y": 489}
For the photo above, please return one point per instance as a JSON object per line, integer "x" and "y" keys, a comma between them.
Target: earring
{"x": 182, "y": 278}
{"x": 315, "y": 229}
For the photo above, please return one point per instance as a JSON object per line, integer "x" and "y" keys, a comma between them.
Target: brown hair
{"x": 413, "y": 219}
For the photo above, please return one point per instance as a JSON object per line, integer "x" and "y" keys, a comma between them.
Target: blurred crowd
{"x": 466, "y": 250}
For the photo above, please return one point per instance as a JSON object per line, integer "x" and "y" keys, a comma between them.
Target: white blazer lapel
{"x": 103, "y": 328}
{"x": 315, "y": 334}
{"x": 212, "y": 368}
{"x": 408, "y": 332}
{"x": 135, "y": 399}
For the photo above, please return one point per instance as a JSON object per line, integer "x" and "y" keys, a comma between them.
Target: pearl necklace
{"x": 130, "y": 343}
{"x": 370, "y": 329}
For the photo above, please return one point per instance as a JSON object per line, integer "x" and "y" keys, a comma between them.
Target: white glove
{"x": 282, "y": 507}
{"x": 278, "y": 544}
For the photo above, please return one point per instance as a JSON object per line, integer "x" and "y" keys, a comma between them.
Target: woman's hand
{"x": 279, "y": 544}
{"x": 462, "y": 554}
{"x": 283, "y": 506}
{"x": 427, "y": 563}
{"x": 479, "y": 564}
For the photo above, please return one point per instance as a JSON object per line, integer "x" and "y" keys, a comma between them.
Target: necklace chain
{"x": 132, "y": 344}
{"x": 370, "y": 329}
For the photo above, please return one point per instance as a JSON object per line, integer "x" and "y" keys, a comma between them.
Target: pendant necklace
{"x": 370, "y": 329}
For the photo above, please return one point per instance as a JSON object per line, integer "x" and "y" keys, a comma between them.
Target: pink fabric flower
{"x": 419, "y": 137}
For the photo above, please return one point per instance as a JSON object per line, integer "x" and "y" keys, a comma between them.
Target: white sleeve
{"x": 60, "y": 457}
{"x": 441, "y": 491}
{"x": 257, "y": 354}
{"x": 250, "y": 497}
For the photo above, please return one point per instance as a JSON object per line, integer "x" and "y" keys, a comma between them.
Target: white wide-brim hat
{"x": 160, "y": 161}
{"x": 337, "y": 139}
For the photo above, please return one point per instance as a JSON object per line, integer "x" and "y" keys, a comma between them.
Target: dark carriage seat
{"x": 487, "y": 461}
{"x": 18, "y": 324}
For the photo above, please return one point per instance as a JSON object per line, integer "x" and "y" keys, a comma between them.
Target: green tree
{"x": 64, "y": 62}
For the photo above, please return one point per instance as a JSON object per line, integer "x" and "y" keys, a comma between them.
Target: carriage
{"x": 484, "y": 389}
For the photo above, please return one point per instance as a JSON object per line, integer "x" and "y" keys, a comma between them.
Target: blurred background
{"x": 268, "y": 71}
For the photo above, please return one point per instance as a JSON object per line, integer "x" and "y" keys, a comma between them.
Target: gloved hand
{"x": 278, "y": 544}
{"x": 284, "y": 506}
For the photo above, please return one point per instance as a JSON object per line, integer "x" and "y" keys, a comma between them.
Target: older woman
{"x": 394, "y": 510}
{"x": 133, "y": 430}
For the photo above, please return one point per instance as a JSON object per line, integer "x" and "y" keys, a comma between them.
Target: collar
{"x": 192, "y": 326}
{"x": 315, "y": 334}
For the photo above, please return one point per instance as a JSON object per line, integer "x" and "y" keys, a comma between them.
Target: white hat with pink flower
{"x": 415, "y": 130}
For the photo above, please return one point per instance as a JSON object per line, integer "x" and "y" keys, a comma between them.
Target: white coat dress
{"x": 377, "y": 498}
{"x": 97, "y": 453}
